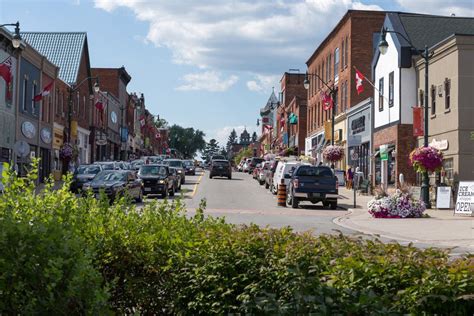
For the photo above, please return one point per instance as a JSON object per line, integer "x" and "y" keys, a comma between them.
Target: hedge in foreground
{"x": 62, "y": 254}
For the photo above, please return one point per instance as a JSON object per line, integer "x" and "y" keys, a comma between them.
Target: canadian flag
{"x": 327, "y": 101}
{"x": 44, "y": 93}
{"x": 359, "y": 78}
{"x": 6, "y": 74}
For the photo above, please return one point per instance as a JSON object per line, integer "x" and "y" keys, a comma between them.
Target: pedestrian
{"x": 349, "y": 178}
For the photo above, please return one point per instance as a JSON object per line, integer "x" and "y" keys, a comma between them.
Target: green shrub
{"x": 80, "y": 255}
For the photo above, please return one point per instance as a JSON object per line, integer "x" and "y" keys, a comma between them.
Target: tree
{"x": 231, "y": 140}
{"x": 223, "y": 152}
{"x": 187, "y": 141}
{"x": 210, "y": 149}
{"x": 254, "y": 137}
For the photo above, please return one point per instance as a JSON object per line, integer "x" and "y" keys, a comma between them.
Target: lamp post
{"x": 426, "y": 55}
{"x": 16, "y": 40}
{"x": 332, "y": 92}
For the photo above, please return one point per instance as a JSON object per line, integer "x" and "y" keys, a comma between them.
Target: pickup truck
{"x": 314, "y": 184}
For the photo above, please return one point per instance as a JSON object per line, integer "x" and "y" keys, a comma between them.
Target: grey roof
{"x": 63, "y": 49}
{"x": 430, "y": 29}
{"x": 272, "y": 101}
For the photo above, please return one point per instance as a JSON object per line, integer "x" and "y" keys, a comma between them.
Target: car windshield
{"x": 175, "y": 163}
{"x": 88, "y": 170}
{"x": 314, "y": 171}
{"x": 153, "y": 170}
{"x": 188, "y": 163}
{"x": 111, "y": 176}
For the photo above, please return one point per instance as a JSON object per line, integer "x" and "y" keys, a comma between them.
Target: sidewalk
{"x": 441, "y": 229}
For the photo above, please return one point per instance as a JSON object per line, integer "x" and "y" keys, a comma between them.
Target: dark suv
{"x": 220, "y": 168}
{"x": 156, "y": 180}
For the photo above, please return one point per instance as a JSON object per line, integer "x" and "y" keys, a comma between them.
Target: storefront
{"x": 359, "y": 125}
{"x": 340, "y": 136}
{"x": 7, "y": 108}
{"x": 83, "y": 145}
{"x": 315, "y": 145}
{"x": 58, "y": 141}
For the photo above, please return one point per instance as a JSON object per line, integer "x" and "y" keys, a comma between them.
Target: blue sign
{"x": 124, "y": 134}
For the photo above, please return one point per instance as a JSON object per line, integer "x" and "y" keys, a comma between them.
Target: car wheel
{"x": 333, "y": 205}
{"x": 325, "y": 204}
{"x": 210, "y": 176}
{"x": 164, "y": 194}
{"x": 294, "y": 202}
{"x": 229, "y": 177}
{"x": 288, "y": 198}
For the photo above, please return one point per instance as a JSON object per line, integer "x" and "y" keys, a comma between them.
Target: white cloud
{"x": 441, "y": 7}
{"x": 207, "y": 81}
{"x": 263, "y": 83}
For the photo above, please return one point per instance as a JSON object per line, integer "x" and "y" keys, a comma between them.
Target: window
{"x": 329, "y": 67}
{"x": 433, "y": 100}
{"x": 25, "y": 84}
{"x": 322, "y": 75}
{"x": 78, "y": 104}
{"x": 381, "y": 94}
{"x": 84, "y": 106}
{"x": 448, "y": 170}
{"x": 345, "y": 53}
{"x": 33, "y": 102}
{"x": 342, "y": 54}
{"x": 390, "y": 89}
{"x": 421, "y": 97}
{"x": 57, "y": 111}
{"x": 447, "y": 93}
{"x": 344, "y": 97}
{"x": 335, "y": 105}
{"x": 336, "y": 64}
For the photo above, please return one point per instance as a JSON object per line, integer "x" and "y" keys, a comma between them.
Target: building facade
{"x": 349, "y": 45}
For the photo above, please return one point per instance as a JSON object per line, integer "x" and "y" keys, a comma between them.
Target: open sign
{"x": 465, "y": 200}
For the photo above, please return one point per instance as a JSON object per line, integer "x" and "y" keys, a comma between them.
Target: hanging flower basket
{"x": 333, "y": 153}
{"x": 66, "y": 152}
{"x": 426, "y": 159}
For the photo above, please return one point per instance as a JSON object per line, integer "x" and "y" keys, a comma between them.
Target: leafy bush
{"x": 80, "y": 255}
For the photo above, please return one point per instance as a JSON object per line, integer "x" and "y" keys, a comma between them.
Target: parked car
{"x": 82, "y": 175}
{"x": 157, "y": 180}
{"x": 269, "y": 172}
{"x": 176, "y": 177}
{"x": 136, "y": 164}
{"x": 109, "y": 165}
{"x": 314, "y": 184}
{"x": 240, "y": 166}
{"x": 256, "y": 170}
{"x": 283, "y": 171}
{"x": 221, "y": 168}
{"x": 189, "y": 167}
{"x": 253, "y": 163}
{"x": 218, "y": 157}
{"x": 177, "y": 163}
{"x": 116, "y": 183}
{"x": 261, "y": 172}
{"x": 245, "y": 167}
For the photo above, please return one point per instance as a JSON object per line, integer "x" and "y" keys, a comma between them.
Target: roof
{"x": 431, "y": 29}
{"x": 272, "y": 100}
{"x": 63, "y": 49}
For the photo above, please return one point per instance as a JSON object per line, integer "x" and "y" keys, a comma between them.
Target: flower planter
{"x": 398, "y": 205}
{"x": 425, "y": 159}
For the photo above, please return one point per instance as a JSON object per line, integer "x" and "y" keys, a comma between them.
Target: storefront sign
{"x": 327, "y": 130}
{"x": 354, "y": 140}
{"x": 28, "y": 129}
{"x": 443, "y": 197}
{"x": 113, "y": 117}
{"x": 358, "y": 125}
{"x": 465, "y": 200}
{"x": 416, "y": 192}
{"x": 383, "y": 152}
{"x": 440, "y": 144}
{"x": 338, "y": 135}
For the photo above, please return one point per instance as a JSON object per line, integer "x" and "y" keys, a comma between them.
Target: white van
{"x": 282, "y": 171}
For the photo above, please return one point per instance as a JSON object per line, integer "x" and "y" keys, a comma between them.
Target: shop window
{"x": 381, "y": 94}
{"x": 448, "y": 171}
{"x": 390, "y": 89}
{"x": 447, "y": 93}
{"x": 433, "y": 100}
{"x": 421, "y": 98}
{"x": 25, "y": 84}
{"x": 336, "y": 64}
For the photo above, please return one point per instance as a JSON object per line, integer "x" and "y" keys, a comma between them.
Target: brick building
{"x": 291, "y": 114}
{"x": 349, "y": 44}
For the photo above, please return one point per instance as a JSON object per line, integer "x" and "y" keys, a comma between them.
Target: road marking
{"x": 196, "y": 185}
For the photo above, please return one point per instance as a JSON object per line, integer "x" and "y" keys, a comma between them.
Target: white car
{"x": 283, "y": 171}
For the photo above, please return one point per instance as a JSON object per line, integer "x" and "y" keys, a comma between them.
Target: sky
{"x": 207, "y": 64}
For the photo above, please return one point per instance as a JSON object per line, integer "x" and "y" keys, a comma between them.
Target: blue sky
{"x": 208, "y": 64}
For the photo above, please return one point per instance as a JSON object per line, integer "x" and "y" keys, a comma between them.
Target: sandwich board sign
{"x": 465, "y": 200}
{"x": 443, "y": 197}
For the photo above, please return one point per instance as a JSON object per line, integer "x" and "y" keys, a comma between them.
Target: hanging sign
{"x": 465, "y": 199}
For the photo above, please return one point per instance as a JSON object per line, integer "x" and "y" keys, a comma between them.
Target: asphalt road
{"x": 243, "y": 201}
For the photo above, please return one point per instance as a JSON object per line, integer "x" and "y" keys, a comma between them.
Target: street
{"x": 243, "y": 201}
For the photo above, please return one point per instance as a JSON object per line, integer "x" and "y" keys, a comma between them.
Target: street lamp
{"x": 332, "y": 92}
{"x": 426, "y": 55}
{"x": 16, "y": 40}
